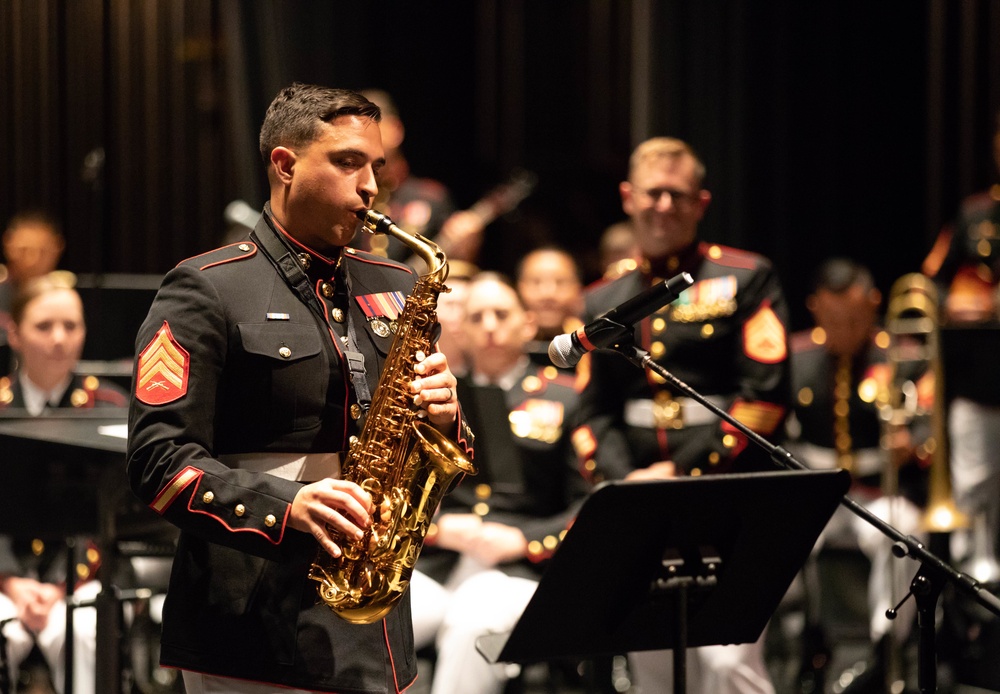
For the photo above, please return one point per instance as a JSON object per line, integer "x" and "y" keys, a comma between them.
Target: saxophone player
{"x": 251, "y": 371}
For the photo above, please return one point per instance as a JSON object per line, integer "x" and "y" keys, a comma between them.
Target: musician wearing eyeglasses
{"x": 725, "y": 336}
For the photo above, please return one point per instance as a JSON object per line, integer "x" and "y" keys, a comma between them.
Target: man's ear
{"x": 13, "y": 339}
{"x": 625, "y": 191}
{"x": 282, "y": 163}
{"x": 530, "y": 326}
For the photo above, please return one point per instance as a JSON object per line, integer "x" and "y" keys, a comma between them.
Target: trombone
{"x": 915, "y": 367}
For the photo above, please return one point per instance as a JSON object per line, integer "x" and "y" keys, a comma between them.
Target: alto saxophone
{"x": 405, "y": 464}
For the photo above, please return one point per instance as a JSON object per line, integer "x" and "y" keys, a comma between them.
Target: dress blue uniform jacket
{"x": 725, "y": 336}
{"x": 240, "y": 354}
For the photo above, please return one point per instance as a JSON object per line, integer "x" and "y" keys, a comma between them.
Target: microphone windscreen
{"x": 561, "y": 350}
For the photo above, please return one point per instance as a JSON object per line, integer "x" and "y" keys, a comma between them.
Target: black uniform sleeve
{"x": 171, "y": 464}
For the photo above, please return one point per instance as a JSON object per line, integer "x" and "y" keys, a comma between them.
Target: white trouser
{"x": 974, "y": 439}
{"x": 474, "y": 602}
{"x": 890, "y": 577}
{"x": 51, "y": 640}
{"x": 735, "y": 669}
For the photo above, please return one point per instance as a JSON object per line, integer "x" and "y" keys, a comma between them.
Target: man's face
{"x": 451, "y": 316}
{"x": 847, "y": 318}
{"x": 49, "y": 338}
{"x": 327, "y": 181}
{"x": 550, "y": 288}
{"x": 31, "y": 250}
{"x": 496, "y": 326}
{"x": 665, "y": 202}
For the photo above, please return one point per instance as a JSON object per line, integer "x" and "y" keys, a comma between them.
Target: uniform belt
{"x": 864, "y": 462}
{"x": 302, "y": 467}
{"x": 674, "y": 413}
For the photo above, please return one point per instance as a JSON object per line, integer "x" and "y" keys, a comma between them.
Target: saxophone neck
{"x": 434, "y": 258}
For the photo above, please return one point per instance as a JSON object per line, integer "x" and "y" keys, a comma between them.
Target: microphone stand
{"x": 929, "y": 580}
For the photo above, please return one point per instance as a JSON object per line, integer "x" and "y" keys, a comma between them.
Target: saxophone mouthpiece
{"x": 375, "y": 222}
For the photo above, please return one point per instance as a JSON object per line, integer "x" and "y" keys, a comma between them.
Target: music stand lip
{"x": 595, "y": 599}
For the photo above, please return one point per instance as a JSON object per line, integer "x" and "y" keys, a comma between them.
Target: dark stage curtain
{"x": 828, "y": 128}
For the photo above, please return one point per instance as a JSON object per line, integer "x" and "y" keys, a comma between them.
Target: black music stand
{"x": 693, "y": 561}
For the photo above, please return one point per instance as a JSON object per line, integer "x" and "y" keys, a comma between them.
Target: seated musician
{"x": 485, "y": 553}
{"x": 47, "y": 337}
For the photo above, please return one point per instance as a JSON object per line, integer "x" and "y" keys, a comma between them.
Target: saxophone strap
{"x": 296, "y": 278}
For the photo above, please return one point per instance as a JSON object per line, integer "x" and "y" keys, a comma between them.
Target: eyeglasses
{"x": 677, "y": 197}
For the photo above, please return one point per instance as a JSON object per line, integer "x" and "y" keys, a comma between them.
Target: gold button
{"x": 208, "y": 497}
{"x": 481, "y": 509}
{"x": 338, "y": 314}
{"x": 284, "y": 352}
{"x": 327, "y": 289}
{"x": 483, "y": 491}
{"x": 707, "y": 330}
{"x": 355, "y": 411}
{"x": 91, "y": 383}
{"x": 805, "y": 397}
{"x": 550, "y": 372}
{"x": 657, "y": 349}
{"x": 240, "y": 510}
{"x": 82, "y": 570}
{"x": 531, "y": 384}
{"x": 79, "y": 398}
{"x": 244, "y": 247}
{"x": 728, "y": 440}
{"x": 93, "y": 555}
{"x": 695, "y": 472}
{"x": 270, "y": 520}
{"x": 550, "y": 542}
{"x": 305, "y": 261}
{"x": 713, "y": 458}
{"x": 534, "y": 547}
{"x": 37, "y": 547}
{"x": 590, "y": 465}
{"x": 818, "y": 336}
{"x": 658, "y": 325}
{"x": 714, "y": 252}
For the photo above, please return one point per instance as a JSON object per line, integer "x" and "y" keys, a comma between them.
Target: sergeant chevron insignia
{"x": 162, "y": 373}
{"x": 764, "y": 336}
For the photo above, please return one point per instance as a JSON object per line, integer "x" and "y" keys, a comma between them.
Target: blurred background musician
{"x": 965, "y": 265}
{"x": 725, "y": 336}
{"x": 488, "y": 546}
{"x": 550, "y": 284}
{"x": 32, "y": 247}
{"x": 839, "y": 375}
{"x": 47, "y": 334}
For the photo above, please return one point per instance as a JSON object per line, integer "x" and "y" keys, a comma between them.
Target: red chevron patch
{"x": 162, "y": 374}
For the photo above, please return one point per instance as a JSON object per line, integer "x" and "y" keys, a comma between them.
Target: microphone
{"x": 615, "y": 325}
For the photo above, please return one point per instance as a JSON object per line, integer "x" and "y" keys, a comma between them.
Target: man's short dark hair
{"x": 293, "y": 118}
{"x": 839, "y": 274}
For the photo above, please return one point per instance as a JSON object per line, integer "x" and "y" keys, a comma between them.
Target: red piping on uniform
{"x": 392, "y": 662}
{"x": 246, "y": 254}
{"x": 372, "y": 261}
{"x": 230, "y": 528}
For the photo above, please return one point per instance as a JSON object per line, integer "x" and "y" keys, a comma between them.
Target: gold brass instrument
{"x": 915, "y": 352}
{"x": 405, "y": 464}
